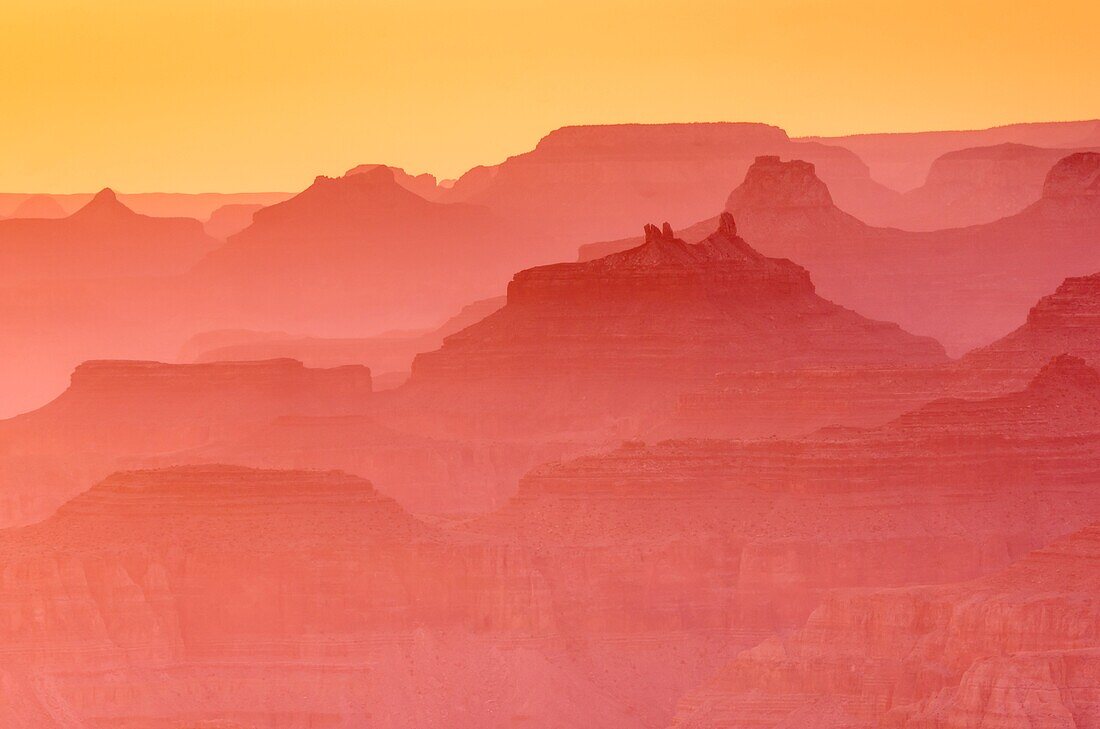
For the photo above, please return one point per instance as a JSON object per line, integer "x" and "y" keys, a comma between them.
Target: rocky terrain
{"x": 1016, "y": 649}
{"x": 116, "y": 412}
{"x": 614, "y": 336}
{"x": 594, "y": 182}
{"x": 963, "y": 286}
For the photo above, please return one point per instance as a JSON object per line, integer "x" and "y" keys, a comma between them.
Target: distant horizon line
{"x": 441, "y": 179}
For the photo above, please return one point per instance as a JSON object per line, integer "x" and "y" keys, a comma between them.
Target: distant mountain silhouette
{"x": 902, "y": 160}
{"x": 102, "y": 239}
{"x": 38, "y": 206}
{"x": 354, "y": 254}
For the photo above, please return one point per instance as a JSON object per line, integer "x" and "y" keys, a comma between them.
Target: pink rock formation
{"x": 947, "y": 492}
{"x": 972, "y": 186}
{"x": 1017, "y": 649}
{"x": 102, "y": 239}
{"x": 424, "y": 185}
{"x": 119, "y": 411}
{"x": 354, "y": 254}
{"x": 613, "y": 336}
{"x": 301, "y": 598}
{"x": 923, "y": 281}
{"x": 593, "y": 182}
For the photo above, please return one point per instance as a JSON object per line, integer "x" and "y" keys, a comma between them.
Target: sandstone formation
{"x": 1017, "y": 649}
{"x": 976, "y": 185}
{"x": 354, "y": 254}
{"x": 611, "y": 337}
{"x": 963, "y": 286}
{"x": 592, "y": 182}
{"x": 114, "y": 412}
{"x": 303, "y": 599}
{"x": 949, "y": 491}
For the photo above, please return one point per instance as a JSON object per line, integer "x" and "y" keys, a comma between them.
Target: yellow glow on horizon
{"x": 193, "y": 95}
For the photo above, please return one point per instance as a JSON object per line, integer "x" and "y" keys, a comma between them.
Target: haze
{"x": 245, "y": 95}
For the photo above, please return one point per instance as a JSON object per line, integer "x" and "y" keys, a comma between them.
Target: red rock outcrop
{"x": 305, "y": 599}
{"x": 102, "y": 239}
{"x": 963, "y": 286}
{"x": 613, "y": 336}
{"x": 594, "y": 182}
{"x": 118, "y": 411}
{"x": 1017, "y": 649}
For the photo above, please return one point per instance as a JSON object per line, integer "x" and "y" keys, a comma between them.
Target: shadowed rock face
{"x": 1066, "y": 321}
{"x": 103, "y": 239}
{"x": 118, "y": 411}
{"x": 1017, "y": 649}
{"x": 639, "y": 326}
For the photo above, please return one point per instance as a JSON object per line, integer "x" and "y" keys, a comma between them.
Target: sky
{"x": 233, "y": 95}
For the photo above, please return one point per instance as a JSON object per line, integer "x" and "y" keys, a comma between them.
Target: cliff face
{"x": 274, "y": 598}
{"x": 923, "y": 281}
{"x": 1066, "y": 321}
{"x": 637, "y": 327}
{"x": 1019, "y": 648}
{"x": 114, "y": 411}
{"x": 594, "y": 182}
{"x": 761, "y": 530}
{"x": 305, "y": 599}
{"x": 973, "y": 186}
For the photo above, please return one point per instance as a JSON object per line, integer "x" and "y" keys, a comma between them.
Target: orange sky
{"x": 194, "y": 95}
